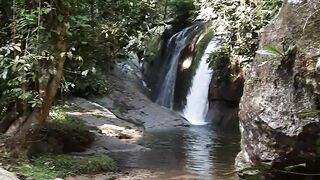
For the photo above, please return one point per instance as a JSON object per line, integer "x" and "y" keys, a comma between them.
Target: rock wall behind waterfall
{"x": 279, "y": 111}
{"x": 225, "y": 91}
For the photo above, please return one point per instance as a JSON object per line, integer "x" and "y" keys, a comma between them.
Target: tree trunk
{"x": 23, "y": 125}
{"x": 165, "y": 11}
{"x": 8, "y": 119}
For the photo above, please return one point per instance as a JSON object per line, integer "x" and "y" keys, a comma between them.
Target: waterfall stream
{"x": 197, "y": 105}
{"x": 176, "y": 45}
{"x": 191, "y": 96}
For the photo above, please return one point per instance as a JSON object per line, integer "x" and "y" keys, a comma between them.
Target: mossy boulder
{"x": 62, "y": 134}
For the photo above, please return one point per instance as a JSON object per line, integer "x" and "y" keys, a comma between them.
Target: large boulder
{"x": 279, "y": 111}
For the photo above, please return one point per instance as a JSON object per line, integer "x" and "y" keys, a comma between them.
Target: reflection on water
{"x": 196, "y": 153}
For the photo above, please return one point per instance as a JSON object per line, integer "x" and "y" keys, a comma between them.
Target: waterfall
{"x": 197, "y": 104}
{"x": 176, "y": 45}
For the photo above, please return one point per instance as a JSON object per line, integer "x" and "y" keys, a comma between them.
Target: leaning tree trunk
{"x": 20, "y": 125}
{"x": 25, "y": 125}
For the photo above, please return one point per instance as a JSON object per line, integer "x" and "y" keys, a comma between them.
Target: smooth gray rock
{"x": 6, "y": 175}
{"x": 111, "y": 134}
{"x": 127, "y": 102}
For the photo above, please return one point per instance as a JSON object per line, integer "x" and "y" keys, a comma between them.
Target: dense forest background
{"x": 50, "y": 49}
{"x": 64, "y": 105}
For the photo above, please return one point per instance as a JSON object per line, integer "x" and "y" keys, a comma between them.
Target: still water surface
{"x": 198, "y": 152}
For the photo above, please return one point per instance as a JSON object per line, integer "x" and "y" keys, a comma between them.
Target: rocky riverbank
{"x": 119, "y": 120}
{"x": 122, "y": 117}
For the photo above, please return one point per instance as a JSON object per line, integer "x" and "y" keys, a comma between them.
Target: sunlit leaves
{"x": 239, "y": 22}
{"x": 85, "y": 73}
{"x": 69, "y": 55}
{"x": 269, "y": 50}
{"x": 16, "y": 69}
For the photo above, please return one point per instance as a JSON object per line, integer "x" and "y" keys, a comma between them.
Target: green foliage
{"x": 100, "y": 30}
{"x": 206, "y": 37}
{"x": 123, "y": 21}
{"x": 181, "y": 7}
{"x": 93, "y": 84}
{"x": 97, "y": 31}
{"x": 49, "y": 167}
{"x": 85, "y": 83}
{"x": 306, "y": 114}
{"x": 281, "y": 56}
{"x": 32, "y": 54}
{"x": 202, "y": 44}
{"x": 153, "y": 46}
{"x": 220, "y": 63}
{"x": 239, "y": 22}
{"x": 273, "y": 51}
{"x": 16, "y": 71}
{"x": 19, "y": 59}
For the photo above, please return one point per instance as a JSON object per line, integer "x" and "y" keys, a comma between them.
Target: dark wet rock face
{"x": 279, "y": 111}
{"x": 225, "y": 92}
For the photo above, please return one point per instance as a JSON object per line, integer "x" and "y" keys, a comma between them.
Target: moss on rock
{"x": 62, "y": 134}
{"x": 220, "y": 63}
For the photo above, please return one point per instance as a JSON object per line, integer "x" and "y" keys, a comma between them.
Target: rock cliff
{"x": 279, "y": 111}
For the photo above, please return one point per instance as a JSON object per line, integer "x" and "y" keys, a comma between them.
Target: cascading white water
{"x": 197, "y": 105}
{"x": 176, "y": 44}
